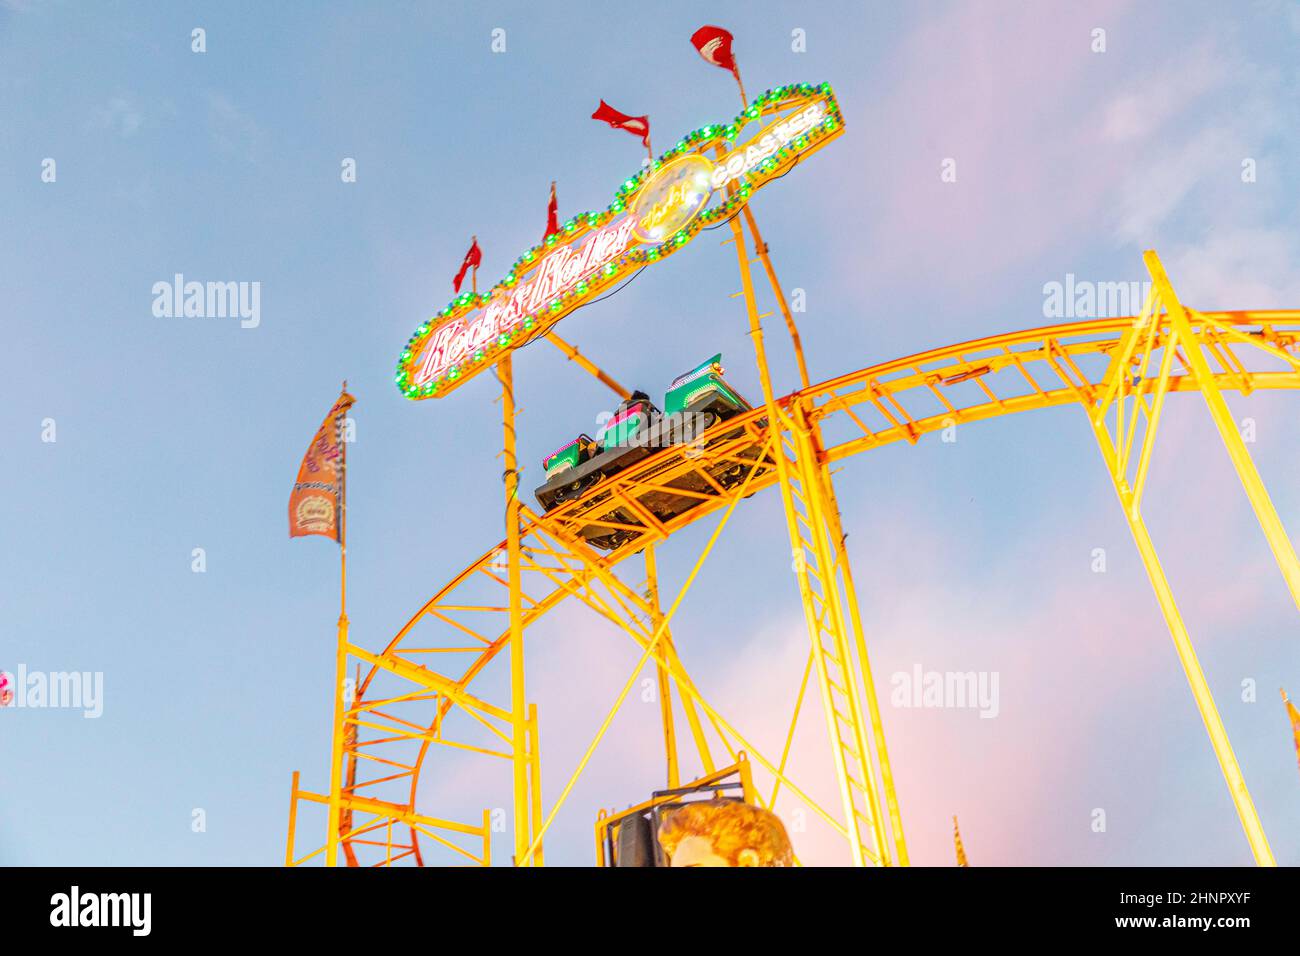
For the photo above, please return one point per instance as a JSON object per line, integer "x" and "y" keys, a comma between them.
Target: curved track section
{"x": 447, "y": 646}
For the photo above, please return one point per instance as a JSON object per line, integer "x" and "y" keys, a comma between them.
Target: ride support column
{"x": 518, "y": 703}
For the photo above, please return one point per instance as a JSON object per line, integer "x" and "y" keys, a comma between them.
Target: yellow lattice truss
{"x": 418, "y": 697}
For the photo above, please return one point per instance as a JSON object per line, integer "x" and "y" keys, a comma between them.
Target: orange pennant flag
{"x": 316, "y": 504}
{"x": 956, "y": 839}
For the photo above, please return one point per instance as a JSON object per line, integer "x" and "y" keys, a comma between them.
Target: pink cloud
{"x": 986, "y": 87}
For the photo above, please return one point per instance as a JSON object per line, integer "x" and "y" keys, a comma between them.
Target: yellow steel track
{"x": 417, "y": 697}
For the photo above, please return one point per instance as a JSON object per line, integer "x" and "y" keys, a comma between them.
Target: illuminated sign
{"x": 767, "y": 144}
{"x": 702, "y": 181}
{"x": 673, "y": 197}
{"x": 452, "y": 342}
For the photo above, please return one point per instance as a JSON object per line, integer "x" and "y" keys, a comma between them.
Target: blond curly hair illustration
{"x": 741, "y": 834}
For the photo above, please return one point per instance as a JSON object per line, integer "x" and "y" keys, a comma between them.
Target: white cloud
{"x": 1238, "y": 268}
{"x": 1187, "y": 132}
{"x": 233, "y": 130}
{"x": 1163, "y": 95}
{"x": 120, "y": 115}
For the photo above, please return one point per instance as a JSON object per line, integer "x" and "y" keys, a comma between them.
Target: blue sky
{"x": 175, "y": 434}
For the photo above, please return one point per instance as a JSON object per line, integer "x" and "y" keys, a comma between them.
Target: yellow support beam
{"x": 1124, "y": 391}
{"x": 665, "y": 685}
{"x": 518, "y": 701}
{"x": 535, "y": 779}
{"x": 430, "y": 679}
{"x": 293, "y": 821}
{"x": 393, "y": 811}
{"x": 1265, "y": 513}
{"x": 648, "y": 651}
{"x": 803, "y": 482}
{"x": 760, "y": 247}
{"x": 1241, "y": 799}
{"x": 588, "y": 366}
{"x": 837, "y": 537}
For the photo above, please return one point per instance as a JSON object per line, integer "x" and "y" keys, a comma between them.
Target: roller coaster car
{"x": 583, "y": 463}
{"x": 695, "y": 402}
{"x": 699, "y": 399}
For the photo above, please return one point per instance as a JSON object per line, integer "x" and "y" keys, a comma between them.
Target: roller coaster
{"x": 1085, "y": 363}
{"x": 419, "y": 702}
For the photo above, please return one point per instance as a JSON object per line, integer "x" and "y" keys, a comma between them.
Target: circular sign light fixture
{"x": 673, "y": 197}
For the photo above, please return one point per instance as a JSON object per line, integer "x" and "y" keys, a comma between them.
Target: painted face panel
{"x": 696, "y": 851}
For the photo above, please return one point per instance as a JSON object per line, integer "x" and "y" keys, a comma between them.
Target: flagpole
{"x": 744, "y": 100}
{"x": 552, "y": 204}
{"x": 345, "y": 815}
{"x": 473, "y": 277}
{"x": 340, "y": 670}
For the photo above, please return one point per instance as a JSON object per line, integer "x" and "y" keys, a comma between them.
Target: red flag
{"x": 316, "y": 502}
{"x": 636, "y": 125}
{"x": 714, "y": 44}
{"x": 552, "y": 220}
{"x": 472, "y": 259}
